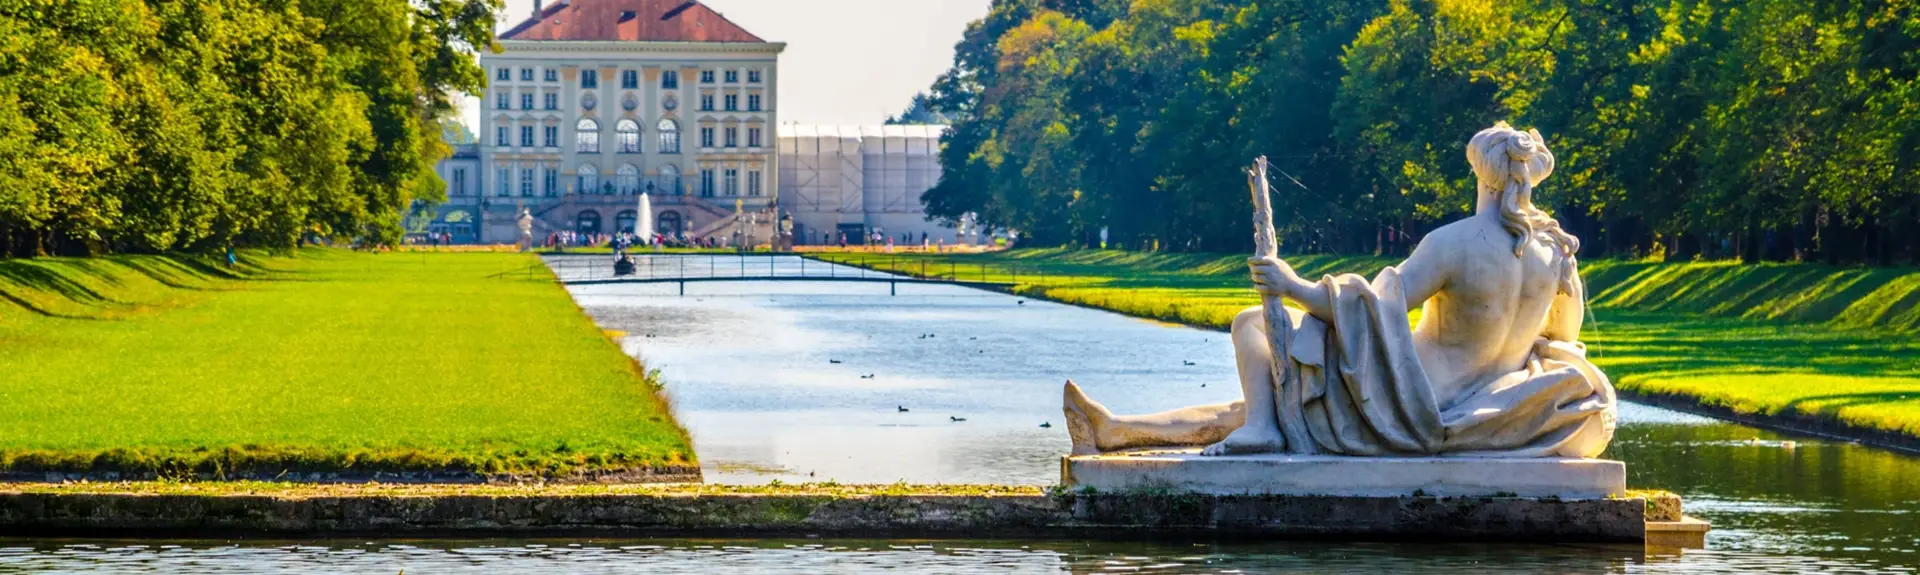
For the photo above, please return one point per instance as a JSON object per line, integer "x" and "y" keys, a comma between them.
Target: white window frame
{"x": 627, "y": 140}
{"x": 586, "y": 136}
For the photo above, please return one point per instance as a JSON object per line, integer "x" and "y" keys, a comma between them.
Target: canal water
{"x": 818, "y": 381}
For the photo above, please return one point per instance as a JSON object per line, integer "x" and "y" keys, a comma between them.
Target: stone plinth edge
{"x": 1061, "y": 514}
{"x": 1187, "y": 471}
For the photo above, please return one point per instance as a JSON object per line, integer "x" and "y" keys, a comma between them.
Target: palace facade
{"x": 592, "y": 102}
{"x": 858, "y": 180}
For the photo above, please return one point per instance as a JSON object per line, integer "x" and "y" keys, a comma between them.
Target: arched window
{"x": 629, "y": 183}
{"x": 670, "y": 223}
{"x": 629, "y": 132}
{"x": 670, "y": 180}
{"x": 623, "y": 222}
{"x": 588, "y": 135}
{"x": 588, "y": 223}
{"x": 589, "y": 179}
{"x": 669, "y": 136}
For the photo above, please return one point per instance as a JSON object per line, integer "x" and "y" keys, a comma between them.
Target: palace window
{"x": 500, "y": 137}
{"x": 753, "y": 76}
{"x": 589, "y": 79}
{"x": 526, "y": 183}
{"x": 753, "y": 183}
{"x": 733, "y": 182}
{"x": 706, "y": 102}
{"x": 589, "y": 179}
{"x": 553, "y": 100}
{"x": 733, "y": 76}
{"x": 670, "y": 80}
{"x": 630, "y": 79}
{"x": 753, "y": 137}
{"x": 629, "y": 178}
{"x": 503, "y": 74}
{"x": 503, "y": 182}
{"x": 733, "y": 102}
{"x": 670, "y": 179}
{"x": 526, "y": 74}
{"x": 526, "y": 136}
{"x": 629, "y": 134}
{"x": 733, "y": 137}
{"x": 706, "y": 136}
{"x": 706, "y": 182}
{"x": 551, "y": 75}
{"x": 502, "y": 101}
{"x": 587, "y": 136}
{"x": 669, "y": 136}
{"x": 706, "y": 76}
{"x": 550, "y": 181}
{"x": 526, "y": 101}
{"x": 753, "y": 102}
{"x": 552, "y": 136}
{"x": 459, "y": 181}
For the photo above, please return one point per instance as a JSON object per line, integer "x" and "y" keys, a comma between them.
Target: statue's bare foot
{"x": 1249, "y": 439}
{"x": 1084, "y": 420}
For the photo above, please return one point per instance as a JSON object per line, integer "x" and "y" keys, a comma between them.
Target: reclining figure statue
{"x": 1494, "y": 368}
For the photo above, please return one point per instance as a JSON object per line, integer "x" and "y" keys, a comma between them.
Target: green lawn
{"x": 1827, "y": 343}
{"x": 327, "y": 361}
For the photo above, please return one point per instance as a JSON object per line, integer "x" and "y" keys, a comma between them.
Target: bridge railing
{"x": 713, "y": 267}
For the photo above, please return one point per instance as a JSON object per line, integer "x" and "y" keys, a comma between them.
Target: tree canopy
{"x": 1763, "y": 129}
{"x": 160, "y": 125}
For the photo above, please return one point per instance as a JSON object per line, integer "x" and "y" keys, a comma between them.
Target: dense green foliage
{"x": 1802, "y": 340}
{"x": 151, "y": 125}
{"x": 1764, "y": 129}
{"x": 329, "y": 361}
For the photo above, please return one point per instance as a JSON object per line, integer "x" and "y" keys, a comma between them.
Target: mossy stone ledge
{"x": 873, "y": 511}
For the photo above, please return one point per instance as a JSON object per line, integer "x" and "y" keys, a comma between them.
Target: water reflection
{"x": 840, "y": 556}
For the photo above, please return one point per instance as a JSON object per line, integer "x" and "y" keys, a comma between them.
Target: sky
{"x": 847, "y": 61}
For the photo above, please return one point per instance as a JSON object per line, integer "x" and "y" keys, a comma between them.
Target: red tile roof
{"x": 630, "y": 21}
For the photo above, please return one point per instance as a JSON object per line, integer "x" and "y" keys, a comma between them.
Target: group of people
{"x": 876, "y": 239}
{"x": 573, "y": 239}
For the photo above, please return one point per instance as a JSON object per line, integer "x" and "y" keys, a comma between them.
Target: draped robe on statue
{"x": 1365, "y": 392}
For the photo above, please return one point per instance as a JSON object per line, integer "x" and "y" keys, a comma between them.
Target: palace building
{"x": 592, "y": 102}
{"x": 858, "y": 180}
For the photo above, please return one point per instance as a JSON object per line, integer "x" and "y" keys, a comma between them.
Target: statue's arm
{"x": 1568, "y": 310}
{"x": 1272, "y": 276}
{"x": 1425, "y": 271}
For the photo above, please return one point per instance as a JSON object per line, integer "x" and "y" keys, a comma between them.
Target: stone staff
{"x": 1288, "y": 397}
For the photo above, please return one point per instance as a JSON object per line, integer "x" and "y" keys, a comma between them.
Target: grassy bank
{"x": 327, "y": 361}
{"x": 1802, "y": 343}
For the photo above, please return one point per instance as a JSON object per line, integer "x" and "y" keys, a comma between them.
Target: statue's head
{"x": 1509, "y": 163}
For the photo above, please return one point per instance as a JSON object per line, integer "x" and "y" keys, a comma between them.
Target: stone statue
{"x": 526, "y": 229}
{"x": 1494, "y": 368}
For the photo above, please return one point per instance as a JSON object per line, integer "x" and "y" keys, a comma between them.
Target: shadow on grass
{"x": 1666, "y": 346}
{"x": 100, "y": 285}
{"x": 1886, "y": 298}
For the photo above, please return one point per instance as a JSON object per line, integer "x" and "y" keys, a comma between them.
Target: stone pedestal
{"x": 1188, "y": 471}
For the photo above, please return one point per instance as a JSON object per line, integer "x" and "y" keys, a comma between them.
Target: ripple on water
{"x": 817, "y": 556}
